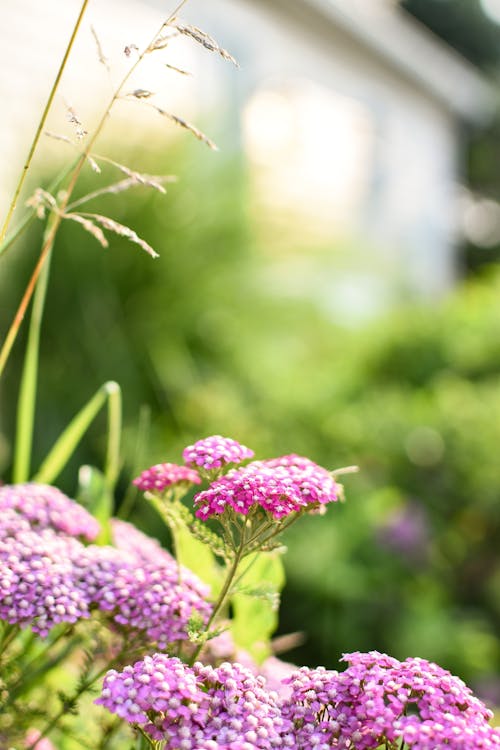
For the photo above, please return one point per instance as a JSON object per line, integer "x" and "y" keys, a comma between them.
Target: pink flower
{"x": 215, "y": 452}
{"x": 161, "y": 476}
{"x": 280, "y": 486}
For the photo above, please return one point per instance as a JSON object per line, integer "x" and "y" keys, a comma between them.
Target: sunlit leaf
{"x": 255, "y": 606}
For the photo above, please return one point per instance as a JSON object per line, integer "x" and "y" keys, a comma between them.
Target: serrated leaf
{"x": 94, "y": 495}
{"x": 255, "y": 608}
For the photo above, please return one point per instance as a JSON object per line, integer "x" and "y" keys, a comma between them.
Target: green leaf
{"x": 94, "y": 494}
{"x": 66, "y": 444}
{"x": 255, "y": 605}
{"x": 189, "y": 551}
{"x": 196, "y": 556}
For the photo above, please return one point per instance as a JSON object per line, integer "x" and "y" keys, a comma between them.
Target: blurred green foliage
{"x": 409, "y": 565}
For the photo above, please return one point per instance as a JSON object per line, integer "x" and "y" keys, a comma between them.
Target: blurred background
{"x": 328, "y": 284}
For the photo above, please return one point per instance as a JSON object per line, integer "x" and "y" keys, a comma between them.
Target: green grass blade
{"x": 26, "y": 403}
{"x": 94, "y": 494}
{"x": 139, "y": 457}
{"x": 113, "y": 465}
{"x": 65, "y": 446}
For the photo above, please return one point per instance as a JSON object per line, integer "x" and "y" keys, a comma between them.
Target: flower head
{"x": 47, "y": 507}
{"x": 214, "y": 452}
{"x": 48, "y": 576}
{"x": 380, "y": 699}
{"x": 37, "y": 580}
{"x": 153, "y": 597}
{"x": 279, "y": 486}
{"x": 159, "y": 477}
{"x": 197, "y": 707}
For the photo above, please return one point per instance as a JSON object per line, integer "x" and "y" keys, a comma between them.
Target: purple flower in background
{"x": 279, "y": 486}
{"x": 49, "y": 577}
{"x": 47, "y": 507}
{"x": 159, "y": 477}
{"x": 144, "y": 548}
{"x": 214, "y": 452}
{"x": 406, "y": 531}
{"x": 154, "y": 597}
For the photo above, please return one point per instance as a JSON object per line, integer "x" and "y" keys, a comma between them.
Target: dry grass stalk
{"x": 58, "y": 137}
{"x": 75, "y": 120}
{"x": 188, "y": 126}
{"x": 40, "y": 201}
{"x": 139, "y": 178}
{"x": 100, "y": 54}
{"x": 154, "y": 181}
{"x": 178, "y": 70}
{"x": 205, "y": 40}
{"x": 89, "y": 227}
{"x": 123, "y": 231}
{"x": 129, "y": 49}
{"x": 140, "y": 93}
{"x": 161, "y": 42}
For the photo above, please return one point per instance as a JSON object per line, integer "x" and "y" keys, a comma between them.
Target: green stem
{"x": 27, "y": 667}
{"x": 107, "y": 734}
{"x": 25, "y": 682}
{"x": 277, "y": 531}
{"x": 41, "y": 124}
{"x": 223, "y": 594}
{"x": 10, "y": 632}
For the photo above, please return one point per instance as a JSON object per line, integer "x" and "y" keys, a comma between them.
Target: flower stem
{"x": 41, "y": 124}
{"x": 223, "y": 593}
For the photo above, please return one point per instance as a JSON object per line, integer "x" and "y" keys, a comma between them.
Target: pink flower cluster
{"x": 214, "y": 452}
{"x": 48, "y": 576}
{"x": 159, "y": 477}
{"x": 152, "y": 596}
{"x": 376, "y": 701}
{"x": 379, "y": 699}
{"x": 280, "y": 486}
{"x": 199, "y": 707}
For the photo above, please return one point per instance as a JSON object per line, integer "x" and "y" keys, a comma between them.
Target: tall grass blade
{"x": 66, "y": 444}
{"x": 26, "y": 404}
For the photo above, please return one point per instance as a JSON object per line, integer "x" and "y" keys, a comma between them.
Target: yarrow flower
{"x": 48, "y": 576}
{"x": 159, "y": 477}
{"x": 378, "y": 699}
{"x": 215, "y": 452}
{"x": 199, "y": 707}
{"x": 280, "y": 486}
{"x": 153, "y": 597}
{"x": 37, "y": 580}
{"x": 47, "y": 507}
